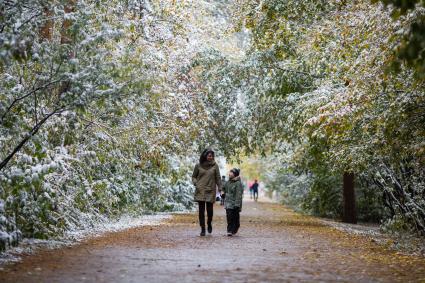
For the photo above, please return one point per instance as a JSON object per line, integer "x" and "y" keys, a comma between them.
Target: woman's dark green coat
{"x": 206, "y": 178}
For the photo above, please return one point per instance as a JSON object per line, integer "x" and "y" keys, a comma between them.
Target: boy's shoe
{"x": 209, "y": 229}
{"x": 229, "y": 234}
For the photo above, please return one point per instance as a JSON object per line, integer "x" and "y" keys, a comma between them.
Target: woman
{"x": 206, "y": 178}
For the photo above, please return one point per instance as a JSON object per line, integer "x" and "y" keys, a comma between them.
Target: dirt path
{"x": 274, "y": 245}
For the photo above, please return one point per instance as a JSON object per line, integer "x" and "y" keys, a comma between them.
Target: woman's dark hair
{"x": 204, "y": 155}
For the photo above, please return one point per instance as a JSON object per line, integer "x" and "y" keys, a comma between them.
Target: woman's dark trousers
{"x": 233, "y": 220}
{"x": 209, "y": 206}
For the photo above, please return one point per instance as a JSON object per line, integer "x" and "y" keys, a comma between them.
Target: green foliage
{"x": 123, "y": 129}
{"x": 324, "y": 197}
{"x": 349, "y": 113}
{"x": 411, "y": 48}
{"x": 401, "y": 7}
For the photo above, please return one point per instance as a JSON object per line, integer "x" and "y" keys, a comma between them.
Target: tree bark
{"x": 349, "y": 198}
{"x": 66, "y": 34}
{"x": 33, "y": 131}
{"x": 46, "y": 30}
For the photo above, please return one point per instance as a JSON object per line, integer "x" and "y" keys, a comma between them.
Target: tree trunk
{"x": 349, "y": 198}
{"x": 46, "y": 30}
{"x": 66, "y": 34}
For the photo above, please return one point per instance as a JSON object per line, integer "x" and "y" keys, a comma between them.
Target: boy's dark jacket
{"x": 234, "y": 193}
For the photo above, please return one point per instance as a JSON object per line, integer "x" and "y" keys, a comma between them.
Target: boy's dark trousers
{"x": 209, "y": 206}
{"x": 233, "y": 220}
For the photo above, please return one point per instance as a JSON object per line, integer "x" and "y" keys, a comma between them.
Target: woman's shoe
{"x": 209, "y": 229}
{"x": 203, "y": 232}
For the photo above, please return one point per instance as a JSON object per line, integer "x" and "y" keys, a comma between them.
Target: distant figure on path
{"x": 223, "y": 195}
{"x": 233, "y": 202}
{"x": 254, "y": 189}
{"x": 206, "y": 178}
{"x": 250, "y": 189}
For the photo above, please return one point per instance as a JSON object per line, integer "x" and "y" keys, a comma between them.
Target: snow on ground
{"x": 28, "y": 246}
{"x": 404, "y": 243}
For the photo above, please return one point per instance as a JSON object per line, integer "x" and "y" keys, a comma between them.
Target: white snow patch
{"x": 125, "y": 222}
{"x": 30, "y": 246}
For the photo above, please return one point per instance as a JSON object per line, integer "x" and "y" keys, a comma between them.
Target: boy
{"x": 233, "y": 201}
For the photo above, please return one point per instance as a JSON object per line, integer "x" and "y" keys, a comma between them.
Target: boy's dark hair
{"x": 235, "y": 171}
{"x": 204, "y": 155}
